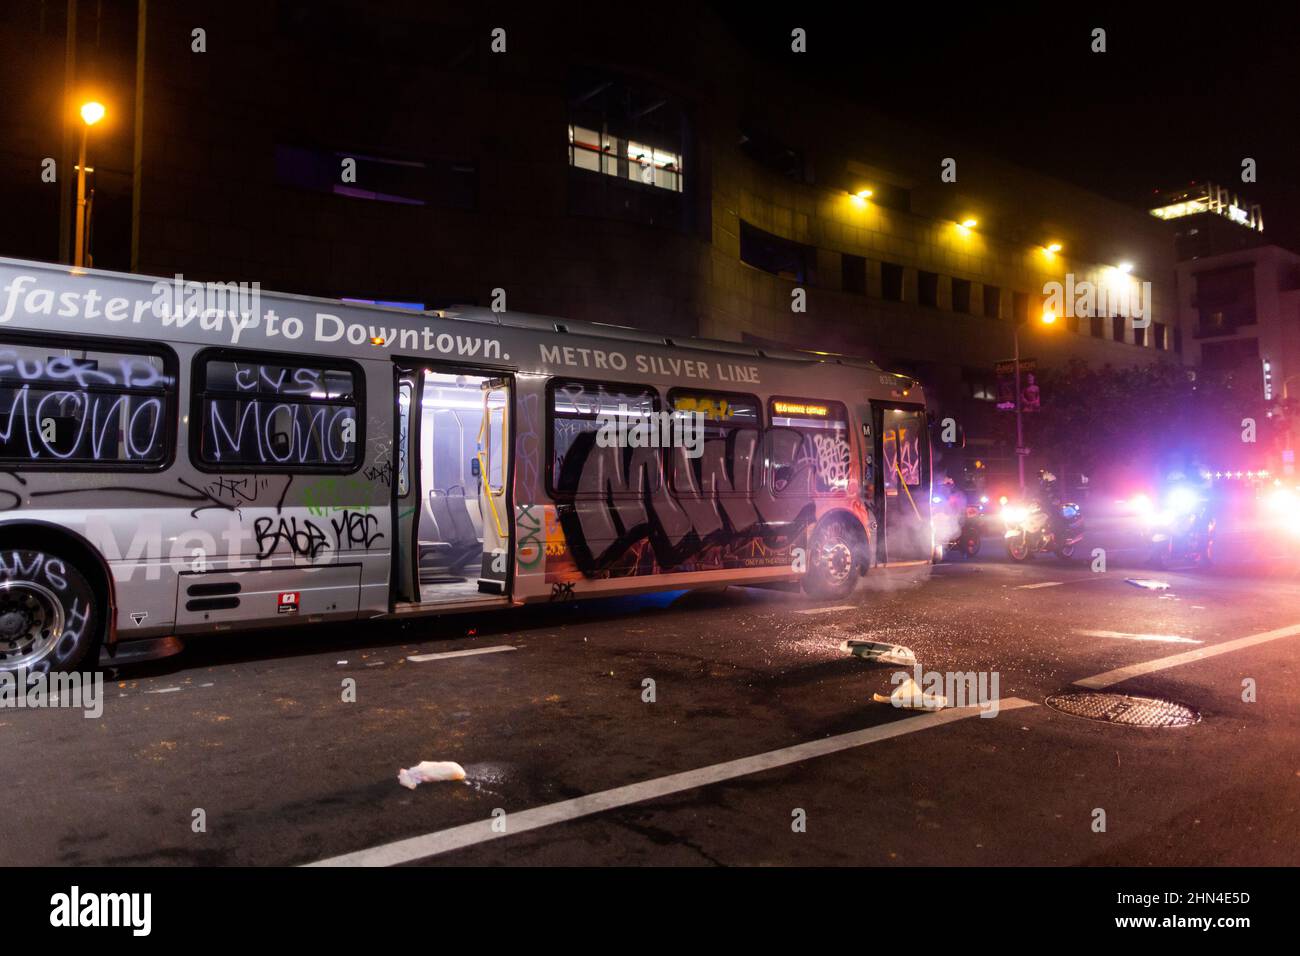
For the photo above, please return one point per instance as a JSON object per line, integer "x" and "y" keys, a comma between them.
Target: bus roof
{"x": 553, "y": 325}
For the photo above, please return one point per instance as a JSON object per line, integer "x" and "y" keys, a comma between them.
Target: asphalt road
{"x": 762, "y": 744}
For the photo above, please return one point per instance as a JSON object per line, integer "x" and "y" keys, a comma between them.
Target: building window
{"x": 1097, "y": 326}
{"x": 628, "y": 159}
{"x": 853, "y": 274}
{"x": 927, "y": 289}
{"x": 1020, "y": 306}
{"x": 1139, "y": 335}
{"x": 961, "y": 295}
{"x": 891, "y": 282}
{"x": 1117, "y": 328}
{"x": 781, "y": 257}
{"x": 770, "y": 153}
{"x": 980, "y": 383}
{"x": 273, "y": 414}
{"x": 891, "y": 196}
{"x": 1161, "y": 337}
{"x": 1236, "y": 355}
{"x": 625, "y": 130}
{"x": 406, "y": 182}
{"x": 992, "y": 301}
{"x": 1225, "y": 299}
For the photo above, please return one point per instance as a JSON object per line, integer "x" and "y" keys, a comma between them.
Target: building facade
{"x": 664, "y": 178}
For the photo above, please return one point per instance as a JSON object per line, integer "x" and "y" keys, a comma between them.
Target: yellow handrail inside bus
{"x": 483, "y": 466}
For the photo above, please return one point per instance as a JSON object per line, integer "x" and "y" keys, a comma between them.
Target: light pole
{"x": 1047, "y": 319}
{"x": 91, "y": 113}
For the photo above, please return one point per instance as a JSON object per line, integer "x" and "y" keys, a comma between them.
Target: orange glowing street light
{"x": 91, "y": 113}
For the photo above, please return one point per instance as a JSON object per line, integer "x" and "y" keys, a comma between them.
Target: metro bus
{"x": 170, "y": 467}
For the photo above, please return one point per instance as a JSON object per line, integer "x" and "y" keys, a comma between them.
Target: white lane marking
{"x": 1122, "y": 635}
{"x": 163, "y": 690}
{"x": 1044, "y": 584}
{"x": 443, "y": 655}
{"x": 825, "y": 610}
{"x": 1136, "y": 670}
{"x": 469, "y": 834}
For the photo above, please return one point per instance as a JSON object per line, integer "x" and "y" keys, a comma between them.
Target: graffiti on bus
{"x": 623, "y": 518}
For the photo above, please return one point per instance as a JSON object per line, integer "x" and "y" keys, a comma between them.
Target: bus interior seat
{"x": 454, "y": 546}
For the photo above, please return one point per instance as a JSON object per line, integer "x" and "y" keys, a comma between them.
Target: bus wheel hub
{"x": 30, "y": 618}
{"x": 838, "y": 559}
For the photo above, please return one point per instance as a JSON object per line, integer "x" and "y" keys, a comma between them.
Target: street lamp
{"x": 1048, "y": 318}
{"x": 91, "y": 113}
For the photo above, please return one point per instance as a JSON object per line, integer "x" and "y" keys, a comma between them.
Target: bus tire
{"x": 835, "y": 552}
{"x": 50, "y": 614}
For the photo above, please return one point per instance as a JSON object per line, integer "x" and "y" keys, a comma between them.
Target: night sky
{"x": 1177, "y": 96}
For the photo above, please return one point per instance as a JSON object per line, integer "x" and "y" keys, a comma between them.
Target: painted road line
{"x": 1161, "y": 663}
{"x": 1044, "y": 584}
{"x": 1121, "y": 635}
{"x": 444, "y": 655}
{"x": 481, "y": 831}
{"x": 827, "y": 610}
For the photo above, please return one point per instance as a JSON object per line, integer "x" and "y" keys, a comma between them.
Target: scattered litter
{"x": 1042, "y": 584}
{"x": 430, "y": 771}
{"x": 880, "y": 651}
{"x": 340, "y": 662}
{"x": 1148, "y": 583}
{"x": 909, "y": 696}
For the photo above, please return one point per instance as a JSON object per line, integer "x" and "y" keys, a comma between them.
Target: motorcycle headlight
{"x": 1014, "y": 514}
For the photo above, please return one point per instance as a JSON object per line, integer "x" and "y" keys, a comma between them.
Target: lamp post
{"x": 91, "y": 113}
{"x": 1047, "y": 319}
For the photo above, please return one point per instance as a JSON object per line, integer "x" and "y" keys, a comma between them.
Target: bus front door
{"x": 453, "y": 509}
{"x": 902, "y": 484}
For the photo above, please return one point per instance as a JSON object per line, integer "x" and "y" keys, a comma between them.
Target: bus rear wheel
{"x": 834, "y": 554}
{"x": 49, "y": 612}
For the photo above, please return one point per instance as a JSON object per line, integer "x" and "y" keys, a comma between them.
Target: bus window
{"x": 263, "y": 416}
{"x": 901, "y": 445}
{"x": 732, "y": 424}
{"x": 574, "y": 408}
{"x": 809, "y": 451}
{"x": 83, "y": 406}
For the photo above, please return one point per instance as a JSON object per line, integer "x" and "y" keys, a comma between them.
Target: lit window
{"x": 628, "y": 159}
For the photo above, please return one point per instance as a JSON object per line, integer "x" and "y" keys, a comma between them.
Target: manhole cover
{"x": 1122, "y": 709}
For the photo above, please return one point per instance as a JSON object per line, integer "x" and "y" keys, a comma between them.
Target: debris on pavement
{"x": 1148, "y": 583}
{"x": 909, "y": 696}
{"x": 430, "y": 771}
{"x": 880, "y": 651}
